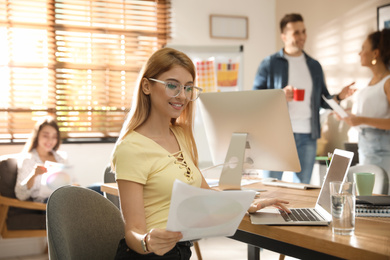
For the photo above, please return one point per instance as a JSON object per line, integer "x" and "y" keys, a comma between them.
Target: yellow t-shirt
{"x": 140, "y": 159}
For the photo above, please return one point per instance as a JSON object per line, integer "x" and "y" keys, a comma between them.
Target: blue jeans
{"x": 307, "y": 149}
{"x": 374, "y": 147}
{"x": 96, "y": 187}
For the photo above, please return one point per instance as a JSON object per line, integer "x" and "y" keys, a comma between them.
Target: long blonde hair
{"x": 161, "y": 61}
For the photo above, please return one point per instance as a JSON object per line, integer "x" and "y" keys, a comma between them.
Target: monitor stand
{"x": 233, "y": 166}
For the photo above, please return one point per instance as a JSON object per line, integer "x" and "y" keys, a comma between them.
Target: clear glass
{"x": 342, "y": 199}
{"x": 173, "y": 89}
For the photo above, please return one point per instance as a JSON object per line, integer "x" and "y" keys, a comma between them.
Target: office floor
{"x": 220, "y": 248}
{"x": 32, "y": 257}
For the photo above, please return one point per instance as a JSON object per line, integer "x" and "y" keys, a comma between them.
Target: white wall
{"x": 191, "y": 27}
{"x": 88, "y": 161}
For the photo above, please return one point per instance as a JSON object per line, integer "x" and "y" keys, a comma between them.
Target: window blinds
{"x": 76, "y": 60}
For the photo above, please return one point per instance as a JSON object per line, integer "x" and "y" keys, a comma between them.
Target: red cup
{"x": 299, "y": 94}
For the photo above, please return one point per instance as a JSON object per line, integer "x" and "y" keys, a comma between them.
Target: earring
{"x": 373, "y": 62}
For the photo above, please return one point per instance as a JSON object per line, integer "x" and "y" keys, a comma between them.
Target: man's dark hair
{"x": 290, "y": 18}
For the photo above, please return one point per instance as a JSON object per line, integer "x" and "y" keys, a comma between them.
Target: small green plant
{"x": 329, "y": 159}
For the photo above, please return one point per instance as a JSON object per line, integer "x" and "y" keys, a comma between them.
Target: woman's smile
{"x": 176, "y": 105}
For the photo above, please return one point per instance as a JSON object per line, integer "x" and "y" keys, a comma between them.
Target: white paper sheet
{"x": 200, "y": 213}
{"x": 336, "y": 107}
{"x": 55, "y": 177}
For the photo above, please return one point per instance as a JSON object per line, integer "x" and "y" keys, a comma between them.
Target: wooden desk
{"x": 370, "y": 241}
{"x": 110, "y": 188}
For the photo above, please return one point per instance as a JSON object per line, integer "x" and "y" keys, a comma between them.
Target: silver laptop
{"x": 321, "y": 213}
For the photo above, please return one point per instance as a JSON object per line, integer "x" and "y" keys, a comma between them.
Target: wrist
{"x": 144, "y": 243}
{"x": 338, "y": 97}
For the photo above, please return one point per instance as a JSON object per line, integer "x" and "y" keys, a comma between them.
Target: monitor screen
{"x": 260, "y": 118}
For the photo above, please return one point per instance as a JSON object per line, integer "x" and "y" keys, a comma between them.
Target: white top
{"x": 371, "y": 101}
{"x": 25, "y": 166}
{"x": 299, "y": 77}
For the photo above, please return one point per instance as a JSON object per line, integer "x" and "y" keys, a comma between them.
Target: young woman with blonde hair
{"x": 156, "y": 146}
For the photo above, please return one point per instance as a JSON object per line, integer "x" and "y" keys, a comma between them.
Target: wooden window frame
{"x": 91, "y": 63}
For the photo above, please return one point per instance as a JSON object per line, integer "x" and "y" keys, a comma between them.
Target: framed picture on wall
{"x": 228, "y": 26}
{"x": 383, "y": 16}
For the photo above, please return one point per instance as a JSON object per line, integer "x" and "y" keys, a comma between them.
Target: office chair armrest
{"x": 22, "y": 204}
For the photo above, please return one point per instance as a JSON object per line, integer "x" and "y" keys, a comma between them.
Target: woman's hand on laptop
{"x": 262, "y": 203}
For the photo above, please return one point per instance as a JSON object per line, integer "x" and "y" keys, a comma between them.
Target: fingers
{"x": 262, "y": 203}
{"x": 160, "y": 241}
{"x": 289, "y": 92}
{"x": 353, "y": 83}
{"x": 353, "y": 120}
{"x": 347, "y": 91}
{"x": 254, "y": 207}
{"x": 282, "y": 207}
{"x": 347, "y": 121}
{"x": 40, "y": 169}
{"x": 338, "y": 117}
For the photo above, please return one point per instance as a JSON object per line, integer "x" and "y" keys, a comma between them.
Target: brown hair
{"x": 32, "y": 142}
{"x": 381, "y": 40}
{"x": 289, "y": 18}
{"x": 161, "y": 61}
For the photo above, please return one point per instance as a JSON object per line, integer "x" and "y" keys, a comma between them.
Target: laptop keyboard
{"x": 300, "y": 215}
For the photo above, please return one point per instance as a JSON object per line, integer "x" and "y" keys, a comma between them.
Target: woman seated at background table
{"x": 42, "y": 146}
{"x": 156, "y": 146}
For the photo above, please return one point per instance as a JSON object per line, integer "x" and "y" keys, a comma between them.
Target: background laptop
{"x": 321, "y": 213}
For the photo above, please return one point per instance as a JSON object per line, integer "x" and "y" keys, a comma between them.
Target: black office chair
{"x": 353, "y": 147}
{"x": 109, "y": 177}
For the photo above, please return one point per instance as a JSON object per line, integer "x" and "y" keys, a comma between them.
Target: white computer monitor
{"x": 249, "y": 130}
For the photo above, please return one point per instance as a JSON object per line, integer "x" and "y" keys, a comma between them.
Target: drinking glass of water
{"x": 342, "y": 201}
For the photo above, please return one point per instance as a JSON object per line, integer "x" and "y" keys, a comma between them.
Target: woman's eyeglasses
{"x": 173, "y": 89}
